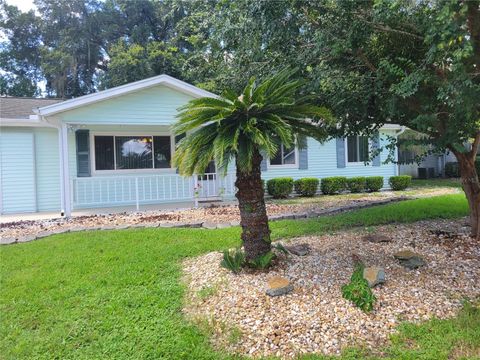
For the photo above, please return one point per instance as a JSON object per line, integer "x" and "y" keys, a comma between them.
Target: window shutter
{"x": 82, "y": 138}
{"x": 340, "y": 152}
{"x": 376, "y": 145}
{"x": 303, "y": 154}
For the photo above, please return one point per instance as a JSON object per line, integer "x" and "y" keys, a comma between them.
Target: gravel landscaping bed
{"x": 216, "y": 216}
{"x": 314, "y": 318}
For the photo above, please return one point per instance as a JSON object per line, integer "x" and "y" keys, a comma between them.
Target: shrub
{"x": 333, "y": 185}
{"x": 356, "y": 184}
{"x": 374, "y": 183}
{"x": 452, "y": 170}
{"x": 400, "y": 182}
{"x": 306, "y": 186}
{"x": 280, "y": 187}
{"x": 233, "y": 260}
{"x": 358, "y": 291}
{"x": 263, "y": 261}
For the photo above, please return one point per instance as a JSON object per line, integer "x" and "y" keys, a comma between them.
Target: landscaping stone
{"x": 299, "y": 250}
{"x": 374, "y": 275}
{"x": 410, "y": 259}
{"x": 300, "y": 216}
{"x": 43, "y": 234}
{"x": 167, "y": 225}
{"x": 277, "y": 286}
{"x": 7, "y": 241}
{"x": 377, "y": 238}
{"x": 235, "y": 222}
{"x": 223, "y": 225}
{"x": 27, "y": 238}
{"x": 209, "y": 225}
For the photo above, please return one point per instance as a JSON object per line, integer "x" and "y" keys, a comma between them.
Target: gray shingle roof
{"x": 22, "y": 107}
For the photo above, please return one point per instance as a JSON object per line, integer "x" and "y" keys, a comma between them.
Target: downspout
{"x": 400, "y": 132}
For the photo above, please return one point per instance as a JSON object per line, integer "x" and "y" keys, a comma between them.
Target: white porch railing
{"x": 105, "y": 191}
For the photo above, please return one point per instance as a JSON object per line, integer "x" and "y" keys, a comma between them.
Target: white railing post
{"x": 137, "y": 201}
{"x": 195, "y": 190}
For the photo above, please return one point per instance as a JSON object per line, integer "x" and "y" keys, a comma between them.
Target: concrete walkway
{"x": 48, "y": 215}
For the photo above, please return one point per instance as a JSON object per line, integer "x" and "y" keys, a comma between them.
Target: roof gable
{"x": 85, "y": 100}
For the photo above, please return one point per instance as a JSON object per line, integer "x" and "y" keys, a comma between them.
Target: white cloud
{"x": 24, "y": 5}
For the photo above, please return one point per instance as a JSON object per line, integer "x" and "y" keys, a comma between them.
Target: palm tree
{"x": 244, "y": 129}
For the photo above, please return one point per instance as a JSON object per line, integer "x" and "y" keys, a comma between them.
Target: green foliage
{"x": 358, "y": 291}
{"x": 333, "y": 185}
{"x": 279, "y": 246}
{"x": 356, "y": 184}
{"x": 400, "y": 182}
{"x": 452, "y": 170}
{"x": 233, "y": 260}
{"x": 374, "y": 183}
{"x": 280, "y": 188}
{"x": 262, "y": 262}
{"x": 306, "y": 186}
{"x": 240, "y": 127}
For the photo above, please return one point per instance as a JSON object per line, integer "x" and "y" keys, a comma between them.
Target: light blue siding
{"x": 322, "y": 162}
{"x": 153, "y": 106}
{"x": 17, "y": 166}
{"x": 47, "y": 161}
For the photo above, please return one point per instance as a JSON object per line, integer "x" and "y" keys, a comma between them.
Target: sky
{"x": 23, "y": 5}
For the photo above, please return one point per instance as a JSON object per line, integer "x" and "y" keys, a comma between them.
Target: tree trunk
{"x": 471, "y": 187}
{"x": 253, "y": 214}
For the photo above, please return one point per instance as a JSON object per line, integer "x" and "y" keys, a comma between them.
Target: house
{"x": 114, "y": 148}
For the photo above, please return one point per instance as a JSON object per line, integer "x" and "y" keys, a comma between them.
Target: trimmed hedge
{"x": 356, "y": 184}
{"x": 400, "y": 182}
{"x": 333, "y": 185}
{"x": 280, "y": 187}
{"x": 374, "y": 183}
{"x": 306, "y": 186}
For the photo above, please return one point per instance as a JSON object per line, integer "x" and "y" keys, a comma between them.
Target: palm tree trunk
{"x": 253, "y": 214}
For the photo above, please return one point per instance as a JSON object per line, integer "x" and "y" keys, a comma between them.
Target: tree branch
{"x": 387, "y": 28}
{"x": 475, "y": 144}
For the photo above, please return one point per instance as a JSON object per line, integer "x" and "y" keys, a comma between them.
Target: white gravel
{"x": 315, "y": 318}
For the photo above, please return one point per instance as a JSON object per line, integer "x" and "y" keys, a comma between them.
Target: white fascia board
{"x": 24, "y": 123}
{"x": 124, "y": 89}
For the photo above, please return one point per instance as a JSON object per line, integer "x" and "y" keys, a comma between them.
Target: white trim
{"x": 356, "y": 163}
{"x": 24, "y": 123}
{"x": 96, "y": 172}
{"x": 286, "y": 166}
{"x": 124, "y": 89}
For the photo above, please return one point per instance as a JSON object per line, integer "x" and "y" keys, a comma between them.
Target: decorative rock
{"x": 27, "y": 238}
{"x": 209, "y": 225}
{"x": 278, "y": 285}
{"x": 377, "y": 238}
{"x": 167, "y": 225}
{"x": 7, "y": 241}
{"x": 299, "y": 250}
{"x": 374, "y": 275}
{"x": 44, "y": 234}
{"x": 223, "y": 225}
{"x": 235, "y": 223}
{"x": 300, "y": 216}
{"x": 410, "y": 259}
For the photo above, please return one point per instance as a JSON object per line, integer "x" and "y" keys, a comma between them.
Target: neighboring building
{"x": 114, "y": 148}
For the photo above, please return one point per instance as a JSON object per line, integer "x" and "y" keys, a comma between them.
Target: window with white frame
{"x": 357, "y": 149}
{"x": 284, "y": 156}
{"x": 127, "y": 152}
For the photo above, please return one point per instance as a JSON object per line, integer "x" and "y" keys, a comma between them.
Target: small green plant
{"x": 333, "y": 185}
{"x": 306, "y": 186}
{"x": 356, "y": 184}
{"x": 374, "y": 183}
{"x": 263, "y": 261}
{"x": 233, "y": 260}
{"x": 207, "y": 291}
{"x": 400, "y": 182}
{"x": 280, "y": 188}
{"x": 358, "y": 291}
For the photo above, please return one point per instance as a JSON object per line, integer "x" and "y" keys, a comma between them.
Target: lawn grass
{"x": 118, "y": 294}
{"x": 438, "y": 182}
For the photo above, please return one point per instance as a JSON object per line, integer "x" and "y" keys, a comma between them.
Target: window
{"x": 357, "y": 147}
{"x": 284, "y": 156}
{"x": 132, "y": 152}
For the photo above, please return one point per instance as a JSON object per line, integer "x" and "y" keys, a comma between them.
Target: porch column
{"x": 64, "y": 172}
